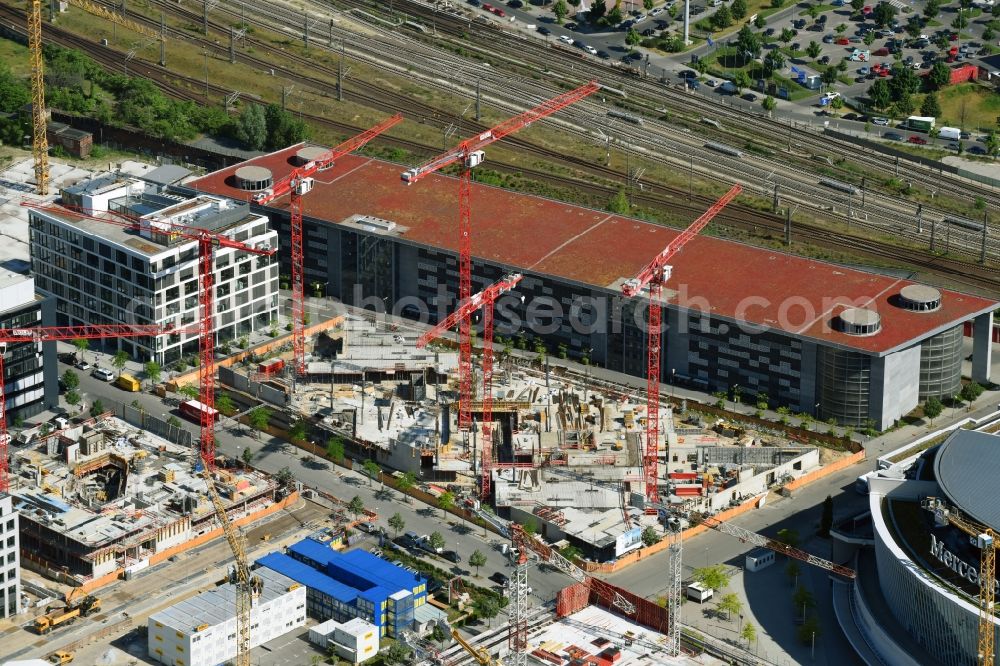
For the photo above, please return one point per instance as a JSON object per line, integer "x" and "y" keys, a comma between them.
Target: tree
{"x": 477, "y": 559}
{"x": 841, "y": 29}
{"x": 397, "y": 653}
{"x": 879, "y": 94}
{"x": 932, "y": 8}
{"x": 933, "y": 408}
{"x": 930, "y": 106}
{"x": 722, "y": 18}
{"x": 712, "y": 577}
{"x": 260, "y": 418}
{"x": 153, "y": 371}
{"x": 992, "y": 143}
{"x": 335, "y": 449}
{"x": 773, "y": 62}
{"x": 356, "y": 506}
{"x": 792, "y": 570}
{"x": 283, "y": 128}
{"x": 857, "y": 5}
{"x": 72, "y": 397}
{"x": 251, "y": 127}
{"x": 247, "y": 456}
{"x": 619, "y": 203}
{"x": 561, "y": 10}
{"x": 298, "y": 430}
{"x": 741, "y": 80}
{"x": 829, "y": 76}
{"x": 405, "y": 483}
{"x": 939, "y": 77}
{"x": 97, "y": 408}
{"x": 571, "y": 552}
{"x": 372, "y": 469}
{"x": 397, "y": 523}
{"x": 646, "y": 4}
{"x": 284, "y": 476}
{"x": 883, "y": 14}
{"x": 632, "y": 37}
{"x": 748, "y": 43}
{"x": 960, "y": 22}
{"x": 438, "y": 635}
{"x": 760, "y": 22}
{"x": 649, "y": 536}
{"x": 82, "y": 345}
{"x": 777, "y": 4}
{"x": 597, "y": 12}
{"x": 437, "y": 541}
{"x": 445, "y": 502}
{"x": 189, "y": 391}
{"x": 869, "y": 38}
{"x": 119, "y": 360}
{"x": 803, "y": 599}
{"x": 769, "y": 105}
{"x": 809, "y": 629}
{"x": 914, "y": 26}
{"x": 788, "y": 536}
{"x": 837, "y": 103}
{"x": 71, "y": 380}
{"x": 749, "y": 633}
{"x": 971, "y": 391}
{"x": 225, "y": 404}
{"x": 486, "y": 607}
{"x": 730, "y": 604}
{"x": 787, "y": 35}
{"x": 813, "y": 50}
{"x": 614, "y": 16}
{"x": 826, "y": 520}
{"x": 739, "y": 9}
{"x": 814, "y": 11}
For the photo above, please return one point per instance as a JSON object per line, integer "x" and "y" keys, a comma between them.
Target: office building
{"x": 10, "y": 559}
{"x": 30, "y": 373}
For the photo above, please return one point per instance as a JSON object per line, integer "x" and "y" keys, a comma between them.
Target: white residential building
{"x": 10, "y": 559}
{"x": 100, "y": 272}
{"x": 201, "y": 631}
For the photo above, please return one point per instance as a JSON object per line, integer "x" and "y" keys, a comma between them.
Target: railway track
{"x": 972, "y": 276}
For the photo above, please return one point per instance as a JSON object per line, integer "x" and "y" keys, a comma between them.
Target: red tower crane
{"x": 484, "y": 299}
{"x": 207, "y": 242}
{"x": 52, "y": 334}
{"x": 298, "y": 182}
{"x": 653, "y": 277}
{"x": 470, "y": 154}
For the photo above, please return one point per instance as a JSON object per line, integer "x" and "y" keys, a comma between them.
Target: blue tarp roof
{"x": 356, "y": 564}
{"x": 306, "y": 575}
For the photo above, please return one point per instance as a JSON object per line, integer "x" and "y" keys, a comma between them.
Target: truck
{"x": 128, "y": 383}
{"x": 87, "y": 606}
{"x": 919, "y": 123}
{"x": 60, "y": 657}
{"x": 193, "y": 409}
{"x": 951, "y": 133}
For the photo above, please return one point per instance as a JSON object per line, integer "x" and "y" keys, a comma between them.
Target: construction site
{"x": 104, "y": 499}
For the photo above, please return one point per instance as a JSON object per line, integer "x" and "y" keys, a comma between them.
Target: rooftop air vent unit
{"x": 859, "y": 321}
{"x": 919, "y": 298}
{"x": 254, "y": 178}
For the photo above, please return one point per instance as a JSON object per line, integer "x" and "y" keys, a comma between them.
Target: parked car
{"x": 844, "y": 41}
{"x": 878, "y": 120}
{"x": 863, "y": 71}
{"x": 82, "y": 365}
{"x": 825, "y": 60}
{"x": 693, "y": 84}
{"x": 500, "y": 579}
{"x": 566, "y": 40}
{"x": 828, "y": 39}
{"x": 711, "y": 83}
{"x": 688, "y": 74}
{"x": 648, "y": 32}
{"x": 515, "y": 4}
{"x": 103, "y": 374}
{"x": 892, "y": 136}
{"x": 542, "y": 30}
{"x": 918, "y": 140}
{"x": 603, "y": 54}
{"x": 451, "y": 556}
{"x": 67, "y": 357}
{"x": 750, "y": 97}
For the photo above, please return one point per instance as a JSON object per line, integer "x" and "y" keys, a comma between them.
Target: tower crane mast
{"x": 653, "y": 277}
{"x": 483, "y": 299}
{"x": 296, "y": 184}
{"x": 207, "y": 242}
{"x": 983, "y": 538}
{"x": 470, "y": 154}
{"x": 245, "y": 583}
{"x": 53, "y": 334}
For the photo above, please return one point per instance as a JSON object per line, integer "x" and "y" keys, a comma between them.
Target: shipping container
{"x": 194, "y": 410}
{"x": 919, "y": 123}
{"x": 128, "y": 383}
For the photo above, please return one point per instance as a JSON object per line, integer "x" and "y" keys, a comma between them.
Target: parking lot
{"x": 857, "y": 46}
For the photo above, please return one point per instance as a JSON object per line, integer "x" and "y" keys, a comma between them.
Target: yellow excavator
{"x": 479, "y": 654}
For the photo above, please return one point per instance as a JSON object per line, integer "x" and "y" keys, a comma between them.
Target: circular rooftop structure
{"x": 310, "y": 154}
{"x": 252, "y": 178}
{"x": 859, "y": 321}
{"x": 967, "y": 467}
{"x": 919, "y": 298}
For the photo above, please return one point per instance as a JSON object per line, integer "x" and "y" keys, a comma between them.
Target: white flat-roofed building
{"x": 201, "y": 631}
{"x": 102, "y": 273}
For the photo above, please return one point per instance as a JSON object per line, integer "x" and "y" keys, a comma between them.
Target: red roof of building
{"x": 546, "y": 237}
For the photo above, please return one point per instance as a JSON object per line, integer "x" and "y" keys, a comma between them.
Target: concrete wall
{"x": 898, "y": 375}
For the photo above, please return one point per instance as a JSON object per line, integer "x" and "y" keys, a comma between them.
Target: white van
{"x": 950, "y": 133}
